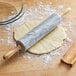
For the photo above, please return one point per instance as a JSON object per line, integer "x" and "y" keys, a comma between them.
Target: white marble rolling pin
{"x": 36, "y": 33}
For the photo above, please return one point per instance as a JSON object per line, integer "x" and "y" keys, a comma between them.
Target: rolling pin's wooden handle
{"x": 70, "y": 56}
{"x": 65, "y": 12}
{"x": 11, "y": 53}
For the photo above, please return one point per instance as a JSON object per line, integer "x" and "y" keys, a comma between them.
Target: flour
{"x": 70, "y": 26}
{"x": 46, "y": 58}
{"x": 6, "y": 36}
{"x": 36, "y": 12}
{"x": 59, "y": 7}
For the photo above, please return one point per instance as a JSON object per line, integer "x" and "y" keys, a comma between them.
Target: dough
{"x": 52, "y": 41}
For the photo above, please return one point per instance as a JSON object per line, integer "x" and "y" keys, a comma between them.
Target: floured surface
{"x": 52, "y": 41}
{"x": 46, "y": 65}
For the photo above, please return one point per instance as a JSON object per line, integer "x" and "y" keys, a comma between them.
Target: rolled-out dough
{"x": 52, "y": 41}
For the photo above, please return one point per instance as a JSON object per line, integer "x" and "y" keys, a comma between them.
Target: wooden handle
{"x": 65, "y": 12}
{"x": 11, "y": 53}
{"x": 70, "y": 56}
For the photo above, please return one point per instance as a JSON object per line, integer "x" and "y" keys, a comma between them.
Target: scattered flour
{"x": 6, "y": 30}
{"x": 70, "y": 27}
{"x": 59, "y": 7}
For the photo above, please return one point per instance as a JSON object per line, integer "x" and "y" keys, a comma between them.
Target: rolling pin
{"x": 70, "y": 56}
{"x": 37, "y": 33}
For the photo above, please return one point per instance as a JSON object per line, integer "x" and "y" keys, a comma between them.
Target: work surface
{"x": 33, "y": 67}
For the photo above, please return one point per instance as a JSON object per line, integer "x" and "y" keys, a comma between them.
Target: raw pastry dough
{"x": 52, "y": 41}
